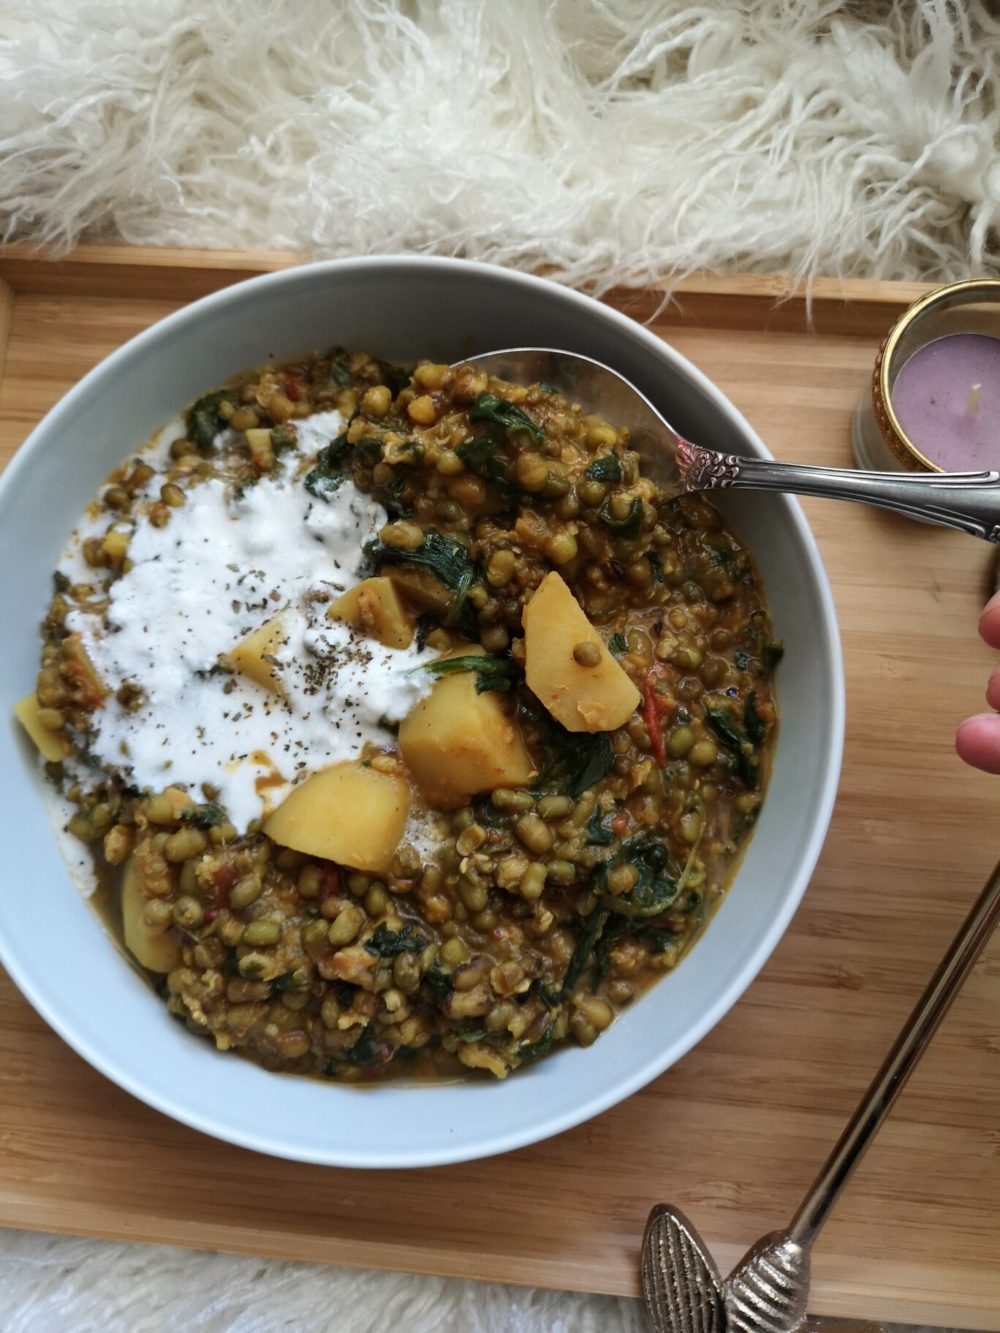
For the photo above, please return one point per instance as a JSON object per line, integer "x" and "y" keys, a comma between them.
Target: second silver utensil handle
{"x": 910, "y": 1044}
{"x": 969, "y": 501}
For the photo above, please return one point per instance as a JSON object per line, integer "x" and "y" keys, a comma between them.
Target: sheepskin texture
{"x": 60, "y": 1284}
{"x": 613, "y": 140}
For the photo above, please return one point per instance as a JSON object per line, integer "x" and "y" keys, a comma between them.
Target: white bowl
{"x": 54, "y": 945}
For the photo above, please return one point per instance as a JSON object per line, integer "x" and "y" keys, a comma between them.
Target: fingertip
{"x": 989, "y": 621}
{"x": 977, "y": 742}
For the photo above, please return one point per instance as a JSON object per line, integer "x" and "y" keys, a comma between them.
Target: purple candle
{"x": 947, "y": 399}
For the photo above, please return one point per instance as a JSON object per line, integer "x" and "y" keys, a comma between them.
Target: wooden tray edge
{"x": 853, "y": 304}
{"x": 833, "y": 1298}
{"x": 6, "y": 317}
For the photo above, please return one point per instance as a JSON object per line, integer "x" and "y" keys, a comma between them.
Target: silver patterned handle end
{"x": 968, "y": 501}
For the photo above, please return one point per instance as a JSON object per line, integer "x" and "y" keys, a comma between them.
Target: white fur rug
{"x": 613, "y": 139}
{"x": 58, "y": 1284}
{"x": 616, "y": 140}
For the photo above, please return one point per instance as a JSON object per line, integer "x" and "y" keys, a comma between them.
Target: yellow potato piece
{"x": 349, "y": 813}
{"x": 52, "y": 745}
{"x": 375, "y": 608}
{"x": 251, "y": 655}
{"x": 456, "y": 742}
{"x": 582, "y": 698}
{"x": 158, "y": 953}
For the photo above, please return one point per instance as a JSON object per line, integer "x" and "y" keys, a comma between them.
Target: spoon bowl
{"x": 969, "y": 501}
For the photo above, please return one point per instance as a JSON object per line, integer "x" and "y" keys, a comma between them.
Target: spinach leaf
{"x": 327, "y": 474}
{"x": 366, "y": 1050}
{"x": 491, "y": 407}
{"x": 448, "y": 560}
{"x": 576, "y": 759}
{"x": 616, "y": 929}
{"x": 391, "y": 495}
{"x": 203, "y": 420}
{"x": 657, "y": 937}
{"x": 582, "y": 953}
{"x": 534, "y": 1050}
{"x": 724, "y": 725}
{"x": 439, "y": 982}
{"x": 597, "y": 834}
{"x": 386, "y": 943}
{"x": 628, "y": 527}
{"x": 425, "y": 623}
{"x": 618, "y": 644}
{"x": 472, "y": 1034}
{"x": 724, "y": 557}
{"x": 655, "y": 889}
{"x": 492, "y": 672}
{"x": 594, "y": 757}
{"x": 486, "y": 813}
{"x": 339, "y": 370}
{"x": 206, "y": 816}
{"x": 397, "y": 377}
{"x": 753, "y": 723}
{"x": 656, "y": 565}
{"x": 551, "y": 999}
{"x": 480, "y": 456}
{"x": 606, "y": 468}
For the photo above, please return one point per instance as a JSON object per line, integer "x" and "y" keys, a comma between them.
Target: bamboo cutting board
{"x": 736, "y": 1130}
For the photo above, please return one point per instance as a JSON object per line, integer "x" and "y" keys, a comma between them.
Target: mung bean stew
{"x": 412, "y": 730}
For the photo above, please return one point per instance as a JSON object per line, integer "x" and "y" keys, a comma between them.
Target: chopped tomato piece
{"x": 651, "y": 716}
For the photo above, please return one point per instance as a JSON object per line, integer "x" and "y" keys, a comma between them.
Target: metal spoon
{"x": 969, "y": 501}
{"x": 768, "y": 1290}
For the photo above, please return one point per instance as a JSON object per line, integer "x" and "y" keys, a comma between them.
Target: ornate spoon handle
{"x": 969, "y": 501}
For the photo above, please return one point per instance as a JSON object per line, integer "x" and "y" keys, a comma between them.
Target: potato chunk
{"x": 253, "y": 655}
{"x": 456, "y": 742}
{"x": 349, "y": 813}
{"x": 598, "y": 697}
{"x": 158, "y": 953}
{"x": 52, "y": 745}
{"x": 375, "y": 608}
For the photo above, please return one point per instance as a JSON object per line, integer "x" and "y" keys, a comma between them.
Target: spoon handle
{"x": 969, "y": 501}
{"x": 899, "y": 1063}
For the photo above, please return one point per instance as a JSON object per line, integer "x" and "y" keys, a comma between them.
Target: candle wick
{"x": 972, "y": 407}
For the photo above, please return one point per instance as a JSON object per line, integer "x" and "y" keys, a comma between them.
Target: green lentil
{"x": 534, "y": 833}
{"x": 245, "y": 892}
{"x": 185, "y": 843}
{"x": 703, "y": 753}
{"x": 679, "y": 742}
{"x": 587, "y": 654}
{"x": 376, "y": 901}
{"x": 345, "y": 926}
{"x": 262, "y": 932}
{"x": 532, "y": 883}
{"x": 188, "y": 913}
{"x": 310, "y": 881}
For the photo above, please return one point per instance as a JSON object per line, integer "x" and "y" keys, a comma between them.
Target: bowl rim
{"x": 272, "y": 1143}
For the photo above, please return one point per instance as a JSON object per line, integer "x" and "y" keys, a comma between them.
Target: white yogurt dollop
{"x": 220, "y": 568}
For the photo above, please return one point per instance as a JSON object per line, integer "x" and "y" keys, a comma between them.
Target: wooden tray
{"x": 734, "y": 1133}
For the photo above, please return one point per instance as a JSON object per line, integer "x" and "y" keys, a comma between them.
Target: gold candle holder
{"x": 880, "y": 441}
